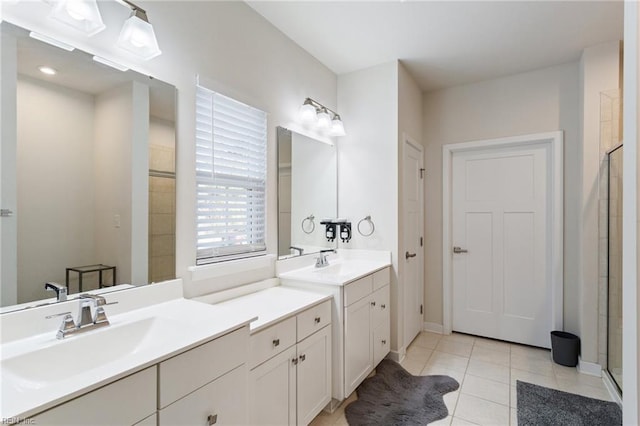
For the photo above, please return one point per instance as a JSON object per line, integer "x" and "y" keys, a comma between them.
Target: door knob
{"x": 408, "y": 255}
{"x": 458, "y": 250}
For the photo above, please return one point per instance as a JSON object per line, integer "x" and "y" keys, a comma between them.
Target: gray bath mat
{"x": 395, "y": 397}
{"x": 540, "y": 406}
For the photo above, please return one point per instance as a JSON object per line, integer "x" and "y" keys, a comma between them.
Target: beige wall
{"x": 55, "y": 184}
{"x": 367, "y": 165}
{"x": 599, "y": 72}
{"x": 121, "y": 180}
{"x": 532, "y": 102}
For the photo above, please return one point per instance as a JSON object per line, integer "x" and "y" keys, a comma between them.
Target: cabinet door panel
{"x": 225, "y": 399}
{"x": 358, "y": 358}
{"x": 314, "y": 375}
{"x": 113, "y": 404}
{"x": 272, "y": 391}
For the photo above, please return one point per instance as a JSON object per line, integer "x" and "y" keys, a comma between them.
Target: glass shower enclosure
{"x": 614, "y": 273}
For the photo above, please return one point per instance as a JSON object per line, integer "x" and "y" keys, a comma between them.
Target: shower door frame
{"x": 609, "y": 152}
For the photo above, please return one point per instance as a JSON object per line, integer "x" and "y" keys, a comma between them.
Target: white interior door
{"x": 413, "y": 254}
{"x": 501, "y": 245}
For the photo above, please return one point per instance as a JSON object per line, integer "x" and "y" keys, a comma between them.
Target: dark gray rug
{"x": 395, "y": 397}
{"x": 541, "y": 406}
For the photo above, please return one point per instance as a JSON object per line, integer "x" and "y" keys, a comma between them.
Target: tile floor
{"x": 487, "y": 371}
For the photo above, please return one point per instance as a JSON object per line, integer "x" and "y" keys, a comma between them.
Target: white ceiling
{"x": 446, "y": 43}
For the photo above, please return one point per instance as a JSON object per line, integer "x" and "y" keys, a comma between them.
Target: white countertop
{"x": 339, "y": 272}
{"x": 194, "y": 323}
{"x": 274, "y": 304}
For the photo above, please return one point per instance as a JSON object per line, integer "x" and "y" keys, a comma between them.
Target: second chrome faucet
{"x": 90, "y": 316}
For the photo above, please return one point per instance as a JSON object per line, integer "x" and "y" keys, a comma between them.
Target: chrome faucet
{"x": 61, "y": 290}
{"x": 298, "y": 249}
{"x": 88, "y": 318}
{"x": 322, "y": 261}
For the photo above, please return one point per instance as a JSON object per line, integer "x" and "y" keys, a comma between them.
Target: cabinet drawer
{"x": 123, "y": 402}
{"x": 381, "y": 306}
{"x": 188, "y": 371}
{"x": 358, "y": 289}
{"x": 381, "y": 278}
{"x": 271, "y": 341}
{"x": 313, "y": 319}
{"x": 381, "y": 342}
{"x": 224, "y": 399}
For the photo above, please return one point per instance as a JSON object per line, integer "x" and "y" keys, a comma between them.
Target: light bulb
{"x": 308, "y": 114}
{"x": 83, "y": 15}
{"x": 337, "y": 127}
{"x": 77, "y": 10}
{"x": 324, "y": 120}
{"x": 47, "y": 70}
{"x": 137, "y": 37}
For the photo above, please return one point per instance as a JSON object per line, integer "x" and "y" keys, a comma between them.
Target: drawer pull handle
{"x": 294, "y": 361}
{"x": 383, "y": 306}
{"x": 384, "y": 342}
{"x": 212, "y": 419}
{"x": 373, "y": 303}
{"x": 303, "y": 357}
{"x": 276, "y": 342}
{"x": 317, "y": 320}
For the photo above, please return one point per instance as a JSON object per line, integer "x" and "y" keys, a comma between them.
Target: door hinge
{"x": 421, "y": 241}
{"x": 421, "y": 173}
{"x": 420, "y": 309}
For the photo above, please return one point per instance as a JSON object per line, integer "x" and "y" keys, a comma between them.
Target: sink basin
{"x": 85, "y": 352}
{"x": 339, "y": 272}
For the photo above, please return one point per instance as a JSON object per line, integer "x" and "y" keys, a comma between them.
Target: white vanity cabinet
{"x": 366, "y": 327}
{"x": 205, "y": 385}
{"x": 361, "y": 324}
{"x": 290, "y": 382}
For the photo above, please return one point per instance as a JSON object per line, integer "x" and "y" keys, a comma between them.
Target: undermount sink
{"x": 85, "y": 352}
{"x": 339, "y": 272}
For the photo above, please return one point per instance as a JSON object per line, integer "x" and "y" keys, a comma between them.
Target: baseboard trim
{"x": 590, "y": 368}
{"x": 612, "y": 388}
{"x": 397, "y": 356}
{"x": 433, "y": 327}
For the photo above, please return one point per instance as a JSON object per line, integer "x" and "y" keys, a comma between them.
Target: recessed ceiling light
{"x": 47, "y": 70}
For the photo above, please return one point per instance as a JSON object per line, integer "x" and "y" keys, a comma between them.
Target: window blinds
{"x": 231, "y": 169}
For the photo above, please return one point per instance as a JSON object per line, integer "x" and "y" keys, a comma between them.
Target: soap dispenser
{"x": 345, "y": 232}
{"x": 330, "y": 230}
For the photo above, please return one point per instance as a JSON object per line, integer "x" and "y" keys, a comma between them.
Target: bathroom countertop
{"x": 274, "y": 304}
{"x": 193, "y": 323}
{"x": 339, "y": 272}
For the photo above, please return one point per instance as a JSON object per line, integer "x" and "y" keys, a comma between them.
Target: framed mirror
{"x": 88, "y": 173}
{"x": 307, "y": 193}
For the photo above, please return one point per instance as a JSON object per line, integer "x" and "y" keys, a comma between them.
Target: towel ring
{"x": 373, "y": 226}
{"x": 311, "y": 224}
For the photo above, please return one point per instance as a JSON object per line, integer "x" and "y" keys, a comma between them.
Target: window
{"x": 231, "y": 170}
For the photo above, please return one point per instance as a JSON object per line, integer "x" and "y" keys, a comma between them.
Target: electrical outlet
{"x": 116, "y": 221}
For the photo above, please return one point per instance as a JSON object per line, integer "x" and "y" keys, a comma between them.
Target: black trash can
{"x": 565, "y": 348}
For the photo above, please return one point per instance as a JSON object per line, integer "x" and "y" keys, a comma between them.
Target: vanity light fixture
{"x": 52, "y": 41}
{"x": 47, "y": 70}
{"x": 137, "y": 35}
{"x": 83, "y": 15}
{"x": 313, "y": 113}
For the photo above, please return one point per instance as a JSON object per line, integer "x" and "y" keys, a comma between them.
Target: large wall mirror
{"x": 307, "y": 193}
{"x": 88, "y": 173}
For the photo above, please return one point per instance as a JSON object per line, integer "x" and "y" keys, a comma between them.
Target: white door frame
{"x": 554, "y": 142}
{"x": 408, "y": 140}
